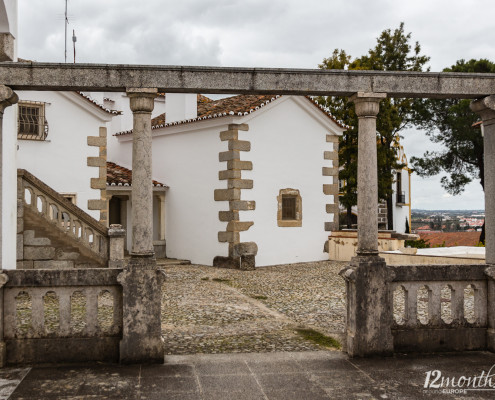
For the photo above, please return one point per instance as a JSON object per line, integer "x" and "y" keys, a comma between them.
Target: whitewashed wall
{"x": 9, "y": 186}
{"x": 188, "y": 164}
{"x": 287, "y": 145}
{"x": 61, "y": 160}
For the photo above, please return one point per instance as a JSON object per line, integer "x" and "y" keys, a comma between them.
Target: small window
{"x": 32, "y": 124}
{"x": 289, "y": 208}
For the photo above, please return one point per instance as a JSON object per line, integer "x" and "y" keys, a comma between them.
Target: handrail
{"x": 66, "y": 216}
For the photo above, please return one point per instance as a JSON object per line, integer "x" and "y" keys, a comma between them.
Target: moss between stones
{"x": 227, "y": 281}
{"x": 260, "y": 297}
{"x": 205, "y": 279}
{"x": 318, "y": 338}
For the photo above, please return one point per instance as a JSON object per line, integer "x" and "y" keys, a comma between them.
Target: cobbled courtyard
{"x": 215, "y": 310}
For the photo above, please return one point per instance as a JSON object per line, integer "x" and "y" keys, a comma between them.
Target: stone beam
{"x": 181, "y": 79}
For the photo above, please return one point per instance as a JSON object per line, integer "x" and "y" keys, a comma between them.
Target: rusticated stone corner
{"x": 241, "y": 255}
{"x": 331, "y": 169}
{"x": 99, "y": 183}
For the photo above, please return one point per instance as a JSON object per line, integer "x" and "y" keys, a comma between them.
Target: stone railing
{"x": 61, "y": 315}
{"x": 439, "y": 307}
{"x": 62, "y": 214}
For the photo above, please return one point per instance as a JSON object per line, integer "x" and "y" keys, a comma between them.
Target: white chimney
{"x": 180, "y": 106}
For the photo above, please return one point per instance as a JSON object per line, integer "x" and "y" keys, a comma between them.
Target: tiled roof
{"x": 101, "y": 107}
{"x": 120, "y": 176}
{"x": 450, "y": 238}
{"x": 240, "y": 105}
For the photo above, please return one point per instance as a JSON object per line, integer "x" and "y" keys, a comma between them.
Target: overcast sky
{"x": 263, "y": 33}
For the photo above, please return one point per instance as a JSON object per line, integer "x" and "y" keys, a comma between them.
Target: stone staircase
{"x": 53, "y": 233}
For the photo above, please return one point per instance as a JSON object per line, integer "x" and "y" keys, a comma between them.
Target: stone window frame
{"x": 37, "y": 126}
{"x": 287, "y": 223}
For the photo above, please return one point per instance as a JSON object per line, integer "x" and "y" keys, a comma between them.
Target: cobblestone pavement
{"x": 215, "y": 310}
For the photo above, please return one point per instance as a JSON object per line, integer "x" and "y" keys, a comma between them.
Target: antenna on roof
{"x": 74, "y": 40}
{"x": 66, "y": 21}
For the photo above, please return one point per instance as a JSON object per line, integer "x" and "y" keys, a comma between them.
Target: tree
{"x": 450, "y": 122}
{"x": 393, "y": 52}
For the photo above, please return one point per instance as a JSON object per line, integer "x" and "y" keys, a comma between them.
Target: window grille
{"x": 32, "y": 123}
{"x": 288, "y": 207}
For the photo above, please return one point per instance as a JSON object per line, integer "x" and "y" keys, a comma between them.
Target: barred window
{"x": 289, "y": 213}
{"x": 32, "y": 124}
{"x": 288, "y": 207}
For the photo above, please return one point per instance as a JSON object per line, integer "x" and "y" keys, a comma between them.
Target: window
{"x": 32, "y": 124}
{"x": 401, "y": 196}
{"x": 289, "y": 208}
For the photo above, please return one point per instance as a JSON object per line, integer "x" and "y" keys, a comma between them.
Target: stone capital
{"x": 142, "y": 100}
{"x": 7, "y": 97}
{"x": 367, "y": 104}
{"x": 485, "y": 108}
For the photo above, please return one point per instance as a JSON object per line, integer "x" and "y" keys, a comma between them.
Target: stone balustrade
{"x": 61, "y": 315}
{"x": 439, "y": 307}
{"x": 61, "y": 213}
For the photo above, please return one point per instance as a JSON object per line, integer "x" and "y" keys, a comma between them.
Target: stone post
{"x": 485, "y": 107}
{"x": 141, "y": 281}
{"x": 142, "y": 102}
{"x": 7, "y": 98}
{"x": 369, "y": 311}
{"x": 116, "y": 247}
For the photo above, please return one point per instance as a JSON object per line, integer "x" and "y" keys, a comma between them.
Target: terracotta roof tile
{"x": 120, "y": 176}
{"x": 451, "y": 238}
{"x": 230, "y": 106}
{"x": 101, "y": 107}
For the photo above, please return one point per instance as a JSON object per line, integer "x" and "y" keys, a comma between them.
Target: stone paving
{"x": 215, "y": 310}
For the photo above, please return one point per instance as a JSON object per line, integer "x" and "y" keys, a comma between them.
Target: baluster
{"x": 434, "y": 304}
{"x": 480, "y": 303}
{"x": 38, "y": 313}
{"x": 457, "y": 303}
{"x": 64, "y": 309}
{"x": 91, "y": 311}
{"x": 411, "y": 304}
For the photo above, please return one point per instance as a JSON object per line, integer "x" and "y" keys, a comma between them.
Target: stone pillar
{"x": 141, "y": 281}
{"x": 367, "y": 106}
{"x": 7, "y": 98}
{"x": 369, "y": 308}
{"x": 142, "y": 102}
{"x": 486, "y": 109}
{"x": 116, "y": 248}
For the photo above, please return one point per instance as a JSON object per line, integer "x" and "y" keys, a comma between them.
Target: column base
{"x": 369, "y": 311}
{"x": 141, "y": 332}
{"x": 142, "y": 261}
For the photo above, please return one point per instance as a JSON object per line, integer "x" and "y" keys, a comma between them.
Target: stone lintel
{"x": 229, "y": 155}
{"x": 240, "y": 145}
{"x": 331, "y": 189}
{"x": 240, "y": 183}
{"x": 229, "y": 174}
{"x": 97, "y": 141}
{"x": 237, "y": 164}
{"x": 227, "y": 194}
{"x": 227, "y": 216}
{"x": 239, "y": 226}
{"x": 242, "y": 205}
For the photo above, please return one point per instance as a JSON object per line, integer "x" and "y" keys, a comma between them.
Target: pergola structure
{"x": 369, "y": 316}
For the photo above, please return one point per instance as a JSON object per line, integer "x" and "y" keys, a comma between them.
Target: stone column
{"x": 141, "y": 281}
{"x": 369, "y": 311}
{"x": 486, "y": 109}
{"x": 7, "y": 98}
{"x": 367, "y": 106}
{"x": 142, "y": 102}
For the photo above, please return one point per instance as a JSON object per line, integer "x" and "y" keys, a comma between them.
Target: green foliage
{"x": 393, "y": 52}
{"x": 479, "y": 244}
{"x": 450, "y": 122}
{"x": 419, "y": 244}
